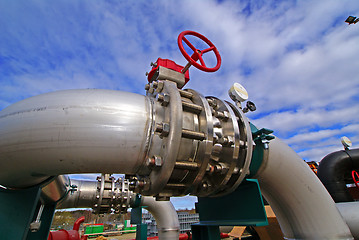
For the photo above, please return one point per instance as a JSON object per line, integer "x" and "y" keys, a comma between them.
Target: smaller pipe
{"x": 166, "y": 217}
{"x": 78, "y": 223}
{"x": 83, "y": 197}
{"x": 163, "y": 211}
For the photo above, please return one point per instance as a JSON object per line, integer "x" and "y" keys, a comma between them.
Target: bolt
{"x": 219, "y": 115}
{"x": 225, "y": 115}
{"x": 164, "y": 99}
{"x": 147, "y": 86}
{"x": 146, "y": 73}
{"x": 163, "y": 129}
{"x": 242, "y": 144}
{"x": 223, "y": 140}
{"x": 150, "y": 162}
{"x": 212, "y": 103}
{"x": 155, "y": 161}
{"x": 217, "y": 149}
{"x": 160, "y": 86}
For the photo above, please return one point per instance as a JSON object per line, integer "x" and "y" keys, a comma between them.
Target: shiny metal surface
{"x": 56, "y": 189}
{"x": 105, "y": 195}
{"x": 73, "y": 131}
{"x": 198, "y": 146}
{"x": 350, "y": 213}
{"x": 302, "y": 205}
{"x": 166, "y": 217}
{"x": 83, "y": 197}
{"x": 170, "y": 142}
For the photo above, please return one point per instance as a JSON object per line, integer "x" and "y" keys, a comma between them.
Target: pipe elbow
{"x": 332, "y": 171}
{"x": 166, "y": 217}
{"x": 78, "y": 223}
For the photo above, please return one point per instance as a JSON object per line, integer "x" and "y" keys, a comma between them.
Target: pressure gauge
{"x": 238, "y": 93}
{"x": 346, "y": 142}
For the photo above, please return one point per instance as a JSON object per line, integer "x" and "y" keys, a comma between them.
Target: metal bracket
{"x": 20, "y": 208}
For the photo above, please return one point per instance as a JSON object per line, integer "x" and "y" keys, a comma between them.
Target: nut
{"x": 155, "y": 161}
{"x": 163, "y": 129}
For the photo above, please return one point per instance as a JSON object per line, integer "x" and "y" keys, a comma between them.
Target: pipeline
{"x": 171, "y": 142}
{"x": 87, "y": 131}
{"x": 87, "y": 195}
{"x": 303, "y": 207}
{"x": 332, "y": 171}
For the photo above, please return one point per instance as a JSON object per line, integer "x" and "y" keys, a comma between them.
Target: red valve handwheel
{"x": 197, "y": 54}
{"x": 355, "y": 176}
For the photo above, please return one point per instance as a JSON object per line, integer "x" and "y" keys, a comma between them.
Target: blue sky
{"x": 298, "y": 60}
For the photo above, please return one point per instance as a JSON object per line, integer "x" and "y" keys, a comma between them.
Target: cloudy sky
{"x": 298, "y": 60}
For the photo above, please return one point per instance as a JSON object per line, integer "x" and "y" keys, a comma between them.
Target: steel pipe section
{"x": 84, "y": 195}
{"x": 56, "y": 190}
{"x": 73, "y": 131}
{"x": 350, "y": 213}
{"x": 166, "y": 217}
{"x": 303, "y": 207}
{"x": 87, "y": 196}
{"x": 333, "y": 169}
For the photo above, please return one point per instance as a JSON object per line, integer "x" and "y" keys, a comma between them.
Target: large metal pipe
{"x": 332, "y": 171}
{"x": 303, "y": 207}
{"x": 73, "y": 131}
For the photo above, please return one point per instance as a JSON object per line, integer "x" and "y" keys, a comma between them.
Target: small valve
{"x": 250, "y": 106}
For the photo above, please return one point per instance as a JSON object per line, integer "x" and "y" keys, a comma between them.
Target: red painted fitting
{"x": 63, "y": 234}
{"x": 78, "y": 223}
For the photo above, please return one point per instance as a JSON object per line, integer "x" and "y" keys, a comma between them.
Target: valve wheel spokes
{"x": 355, "y": 176}
{"x": 197, "y": 53}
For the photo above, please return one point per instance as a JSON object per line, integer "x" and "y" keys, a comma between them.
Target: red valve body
{"x": 167, "y": 63}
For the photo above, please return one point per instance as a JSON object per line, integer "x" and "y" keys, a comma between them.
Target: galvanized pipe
{"x": 73, "y": 131}
{"x": 303, "y": 207}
